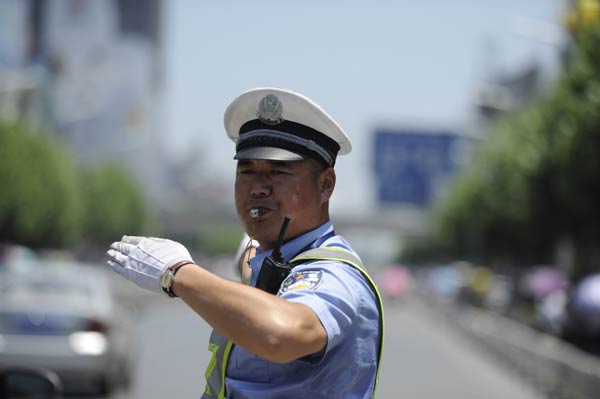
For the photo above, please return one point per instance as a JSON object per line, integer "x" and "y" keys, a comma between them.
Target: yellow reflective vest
{"x": 221, "y": 347}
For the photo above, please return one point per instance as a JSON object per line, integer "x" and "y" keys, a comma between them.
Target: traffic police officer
{"x": 318, "y": 331}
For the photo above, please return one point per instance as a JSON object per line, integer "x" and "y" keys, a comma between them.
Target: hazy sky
{"x": 368, "y": 63}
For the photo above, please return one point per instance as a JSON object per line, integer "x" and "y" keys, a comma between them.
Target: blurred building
{"x": 508, "y": 91}
{"x": 106, "y": 92}
{"x": 505, "y": 88}
{"x": 21, "y": 79}
{"x": 90, "y": 72}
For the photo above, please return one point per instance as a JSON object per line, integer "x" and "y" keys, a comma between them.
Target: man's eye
{"x": 245, "y": 172}
{"x": 279, "y": 172}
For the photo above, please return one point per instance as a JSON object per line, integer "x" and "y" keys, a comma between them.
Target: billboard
{"x": 412, "y": 165}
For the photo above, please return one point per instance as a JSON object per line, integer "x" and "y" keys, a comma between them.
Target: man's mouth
{"x": 257, "y": 212}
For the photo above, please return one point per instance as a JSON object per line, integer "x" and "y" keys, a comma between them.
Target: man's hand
{"x": 143, "y": 260}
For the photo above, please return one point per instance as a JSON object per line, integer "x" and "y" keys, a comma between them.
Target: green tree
{"x": 114, "y": 205}
{"x": 40, "y": 204}
{"x": 48, "y": 201}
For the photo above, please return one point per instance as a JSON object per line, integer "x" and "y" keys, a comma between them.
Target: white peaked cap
{"x": 278, "y": 124}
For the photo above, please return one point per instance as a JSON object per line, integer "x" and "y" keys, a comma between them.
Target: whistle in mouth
{"x": 254, "y": 213}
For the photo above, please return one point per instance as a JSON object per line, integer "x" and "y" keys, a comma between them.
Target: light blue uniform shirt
{"x": 347, "y": 308}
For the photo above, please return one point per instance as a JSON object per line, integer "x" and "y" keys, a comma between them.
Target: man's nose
{"x": 261, "y": 187}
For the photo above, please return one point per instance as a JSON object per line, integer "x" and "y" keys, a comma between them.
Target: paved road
{"x": 423, "y": 358}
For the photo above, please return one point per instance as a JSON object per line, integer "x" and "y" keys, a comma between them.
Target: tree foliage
{"x": 114, "y": 204}
{"x": 48, "y": 201}
{"x": 40, "y": 202}
{"x": 536, "y": 178}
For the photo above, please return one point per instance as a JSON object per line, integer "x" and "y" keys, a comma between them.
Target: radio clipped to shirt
{"x": 274, "y": 268}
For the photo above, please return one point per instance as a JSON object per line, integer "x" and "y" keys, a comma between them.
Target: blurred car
{"x": 542, "y": 281}
{"x": 447, "y": 282}
{"x": 62, "y": 318}
{"x": 541, "y": 298}
{"x": 499, "y": 295}
{"x": 582, "y": 326}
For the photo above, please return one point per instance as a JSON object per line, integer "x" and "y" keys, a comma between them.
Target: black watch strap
{"x": 174, "y": 268}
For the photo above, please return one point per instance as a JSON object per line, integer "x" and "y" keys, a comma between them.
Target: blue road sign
{"x": 411, "y": 165}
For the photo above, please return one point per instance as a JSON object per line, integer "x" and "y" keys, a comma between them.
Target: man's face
{"x": 278, "y": 189}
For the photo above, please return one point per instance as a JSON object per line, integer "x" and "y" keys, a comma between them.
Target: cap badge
{"x": 270, "y": 110}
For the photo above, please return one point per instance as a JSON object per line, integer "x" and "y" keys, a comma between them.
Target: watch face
{"x": 166, "y": 279}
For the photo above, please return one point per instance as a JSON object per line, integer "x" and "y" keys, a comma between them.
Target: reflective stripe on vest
{"x": 221, "y": 347}
{"x": 215, "y": 372}
{"x": 347, "y": 257}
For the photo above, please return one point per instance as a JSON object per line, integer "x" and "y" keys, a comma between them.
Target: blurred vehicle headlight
{"x": 88, "y": 343}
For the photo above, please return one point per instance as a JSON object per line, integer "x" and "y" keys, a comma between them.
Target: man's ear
{"x": 327, "y": 184}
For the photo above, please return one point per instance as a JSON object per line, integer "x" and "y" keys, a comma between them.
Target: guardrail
{"x": 554, "y": 367}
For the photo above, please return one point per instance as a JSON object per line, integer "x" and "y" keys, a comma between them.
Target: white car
{"x": 62, "y": 317}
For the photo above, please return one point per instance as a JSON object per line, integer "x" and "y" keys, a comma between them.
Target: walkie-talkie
{"x": 274, "y": 268}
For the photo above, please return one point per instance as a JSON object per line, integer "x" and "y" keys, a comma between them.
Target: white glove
{"x": 143, "y": 260}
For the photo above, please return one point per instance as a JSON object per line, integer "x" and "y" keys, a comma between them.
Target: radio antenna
{"x": 277, "y": 249}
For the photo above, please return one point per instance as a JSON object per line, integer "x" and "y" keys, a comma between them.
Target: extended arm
{"x": 261, "y": 323}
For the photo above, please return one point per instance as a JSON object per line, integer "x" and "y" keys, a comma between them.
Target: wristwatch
{"x": 166, "y": 279}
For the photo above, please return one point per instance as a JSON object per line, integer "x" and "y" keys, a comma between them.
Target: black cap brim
{"x": 268, "y": 153}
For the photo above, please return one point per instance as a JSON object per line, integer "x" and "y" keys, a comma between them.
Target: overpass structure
{"x": 379, "y": 236}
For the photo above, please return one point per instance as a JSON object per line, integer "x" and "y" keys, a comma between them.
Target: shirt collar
{"x": 290, "y": 248}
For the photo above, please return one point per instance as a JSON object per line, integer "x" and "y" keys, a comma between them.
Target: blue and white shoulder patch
{"x": 308, "y": 280}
